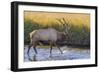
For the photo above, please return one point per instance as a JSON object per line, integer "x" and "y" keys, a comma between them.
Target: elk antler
{"x": 66, "y": 27}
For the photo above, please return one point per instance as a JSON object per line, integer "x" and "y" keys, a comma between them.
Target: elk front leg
{"x": 50, "y": 49}
{"x": 58, "y": 48}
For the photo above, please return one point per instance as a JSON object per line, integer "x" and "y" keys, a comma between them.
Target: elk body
{"x": 47, "y": 35}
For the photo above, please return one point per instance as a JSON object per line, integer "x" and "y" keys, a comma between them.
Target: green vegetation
{"x": 76, "y": 34}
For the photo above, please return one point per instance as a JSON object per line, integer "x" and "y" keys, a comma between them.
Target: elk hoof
{"x": 61, "y": 52}
{"x": 50, "y": 56}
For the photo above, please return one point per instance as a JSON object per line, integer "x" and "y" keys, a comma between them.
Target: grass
{"x": 49, "y": 18}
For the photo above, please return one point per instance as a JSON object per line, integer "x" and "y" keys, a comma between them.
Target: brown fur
{"x": 49, "y": 35}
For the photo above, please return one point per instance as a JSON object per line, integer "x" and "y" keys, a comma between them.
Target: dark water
{"x": 69, "y": 53}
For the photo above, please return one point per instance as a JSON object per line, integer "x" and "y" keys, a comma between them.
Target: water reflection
{"x": 69, "y": 53}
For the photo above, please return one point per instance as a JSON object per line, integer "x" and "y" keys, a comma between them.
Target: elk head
{"x": 65, "y": 27}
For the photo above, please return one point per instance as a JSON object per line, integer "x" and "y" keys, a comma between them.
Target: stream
{"x": 69, "y": 53}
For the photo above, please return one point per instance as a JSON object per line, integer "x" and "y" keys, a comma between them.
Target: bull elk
{"x": 48, "y": 35}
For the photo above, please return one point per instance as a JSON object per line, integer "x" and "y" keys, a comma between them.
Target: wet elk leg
{"x": 34, "y": 47}
{"x": 29, "y": 47}
{"x": 58, "y": 48}
{"x": 50, "y": 49}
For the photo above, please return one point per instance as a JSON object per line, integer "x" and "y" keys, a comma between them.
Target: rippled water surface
{"x": 69, "y": 53}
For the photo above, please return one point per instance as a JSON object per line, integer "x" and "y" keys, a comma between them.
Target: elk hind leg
{"x": 34, "y": 47}
{"x": 29, "y": 47}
